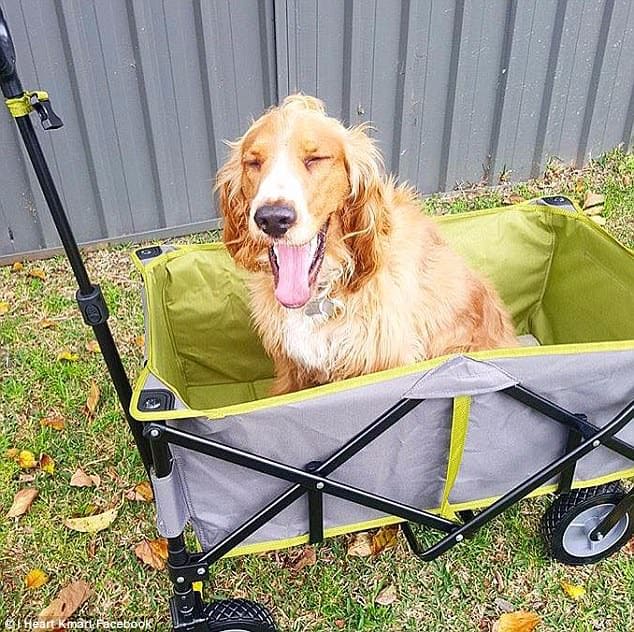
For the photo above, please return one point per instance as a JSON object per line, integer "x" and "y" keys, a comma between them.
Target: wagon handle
{"x": 9, "y": 80}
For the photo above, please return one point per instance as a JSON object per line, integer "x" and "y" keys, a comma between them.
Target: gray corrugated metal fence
{"x": 148, "y": 89}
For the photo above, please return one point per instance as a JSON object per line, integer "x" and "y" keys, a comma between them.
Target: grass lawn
{"x": 503, "y": 567}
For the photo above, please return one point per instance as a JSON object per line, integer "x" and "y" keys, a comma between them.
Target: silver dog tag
{"x": 320, "y": 307}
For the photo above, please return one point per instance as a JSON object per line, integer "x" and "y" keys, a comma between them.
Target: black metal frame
{"x": 153, "y": 439}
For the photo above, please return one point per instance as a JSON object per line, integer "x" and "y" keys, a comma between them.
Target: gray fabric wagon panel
{"x": 508, "y": 442}
{"x": 407, "y": 463}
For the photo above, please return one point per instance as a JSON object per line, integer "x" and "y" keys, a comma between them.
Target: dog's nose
{"x": 275, "y": 220}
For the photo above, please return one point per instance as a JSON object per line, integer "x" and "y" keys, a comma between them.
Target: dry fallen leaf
{"x": 593, "y": 204}
{"x": 340, "y": 623}
{"x": 93, "y": 398}
{"x": 12, "y": 453}
{"x": 139, "y": 341}
{"x": 152, "y": 552}
{"x": 113, "y": 474}
{"x": 504, "y": 605}
{"x": 67, "y": 356}
{"x": 514, "y": 199}
{"x": 54, "y": 421}
{"x": 47, "y": 464}
{"x": 81, "y": 479}
{"x": 387, "y": 596}
{"x": 46, "y": 323}
{"x": 17, "y": 266}
{"x": 518, "y": 621}
{"x": 67, "y": 602}
{"x": 384, "y": 538}
{"x": 26, "y": 478}
{"x": 141, "y": 491}
{"x": 573, "y": 590}
{"x": 4, "y": 307}
{"x": 360, "y": 545}
{"x": 26, "y": 460}
{"x": 35, "y": 578}
{"x": 629, "y": 547}
{"x": 37, "y": 273}
{"x": 92, "y": 346}
{"x": 92, "y": 524}
{"x": 22, "y": 502}
{"x": 308, "y": 557}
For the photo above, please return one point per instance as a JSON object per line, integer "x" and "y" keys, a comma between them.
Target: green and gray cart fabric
{"x": 568, "y": 284}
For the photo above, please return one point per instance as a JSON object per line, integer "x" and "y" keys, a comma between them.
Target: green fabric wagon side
{"x": 570, "y": 288}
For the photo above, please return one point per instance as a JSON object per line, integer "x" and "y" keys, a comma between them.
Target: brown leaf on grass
{"x": 4, "y": 307}
{"x": 67, "y": 602}
{"x": 93, "y": 398}
{"x": 340, "y": 623}
{"x": 17, "y": 266}
{"x": 307, "y": 557}
{"x": 47, "y": 464}
{"x": 92, "y": 524}
{"x": 67, "y": 356}
{"x": 573, "y": 590}
{"x": 360, "y": 545}
{"x": 141, "y": 492}
{"x": 384, "y": 538}
{"x": 152, "y": 552}
{"x": 26, "y": 478}
{"x": 46, "y": 323}
{"x": 628, "y": 549}
{"x": 139, "y": 341}
{"x": 593, "y": 204}
{"x": 518, "y": 621}
{"x": 54, "y": 421}
{"x": 22, "y": 502}
{"x": 12, "y": 453}
{"x": 81, "y": 479}
{"x": 387, "y": 596}
{"x": 26, "y": 460}
{"x": 114, "y": 475}
{"x": 513, "y": 198}
{"x": 37, "y": 273}
{"x": 35, "y": 578}
{"x": 92, "y": 346}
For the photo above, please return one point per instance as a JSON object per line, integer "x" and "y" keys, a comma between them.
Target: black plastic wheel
{"x": 239, "y": 615}
{"x": 567, "y": 524}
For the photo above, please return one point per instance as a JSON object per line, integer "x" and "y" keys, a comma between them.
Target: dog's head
{"x": 299, "y": 187}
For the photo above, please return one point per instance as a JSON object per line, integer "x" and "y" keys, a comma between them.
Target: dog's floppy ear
{"x": 234, "y": 207}
{"x": 365, "y": 217}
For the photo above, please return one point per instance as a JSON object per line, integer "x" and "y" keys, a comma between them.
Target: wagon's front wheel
{"x": 239, "y": 615}
{"x": 571, "y": 518}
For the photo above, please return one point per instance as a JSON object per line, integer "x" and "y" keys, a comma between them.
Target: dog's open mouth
{"x": 295, "y": 269}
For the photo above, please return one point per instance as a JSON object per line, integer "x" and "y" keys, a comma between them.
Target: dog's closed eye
{"x": 311, "y": 161}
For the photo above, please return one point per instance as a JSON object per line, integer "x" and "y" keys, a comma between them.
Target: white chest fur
{"x": 306, "y": 340}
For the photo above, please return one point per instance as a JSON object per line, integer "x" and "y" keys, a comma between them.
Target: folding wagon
{"x": 446, "y": 444}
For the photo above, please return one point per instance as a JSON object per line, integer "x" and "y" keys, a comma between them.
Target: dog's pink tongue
{"x": 293, "y": 287}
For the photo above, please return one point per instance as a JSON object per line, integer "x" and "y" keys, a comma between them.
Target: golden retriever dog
{"x": 348, "y": 275}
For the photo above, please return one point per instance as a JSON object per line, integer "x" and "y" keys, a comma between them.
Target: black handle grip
{"x": 9, "y": 80}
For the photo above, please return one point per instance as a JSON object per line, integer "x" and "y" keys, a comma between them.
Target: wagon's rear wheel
{"x": 239, "y": 615}
{"x": 570, "y": 519}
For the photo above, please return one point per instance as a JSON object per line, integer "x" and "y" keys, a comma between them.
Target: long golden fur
{"x": 398, "y": 293}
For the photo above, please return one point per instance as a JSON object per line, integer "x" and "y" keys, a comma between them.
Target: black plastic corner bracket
{"x": 152, "y": 400}
{"x": 149, "y": 252}
{"x": 93, "y": 306}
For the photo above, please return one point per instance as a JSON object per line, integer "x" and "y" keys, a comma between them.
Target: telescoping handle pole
{"x": 89, "y": 296}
